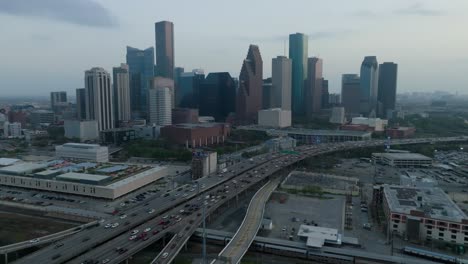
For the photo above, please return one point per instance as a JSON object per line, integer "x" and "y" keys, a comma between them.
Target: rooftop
{"x": 304, "y": 131}
{"x": 317, "y": 236}
{"x": 7, "y": 161}
{"x": 73, "y": 176}
{"x": 198, "y": 125}
{"x": 81, "y": 145}
{"x": 405, "y": 156}
{"x": 21, "y": 168}
{"x": 432, "y": 202}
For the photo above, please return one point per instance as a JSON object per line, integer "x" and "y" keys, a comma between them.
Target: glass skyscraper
{"x": 298, "y": 52}
{"x": 369, "y": 85}
{"x": 388, "y": 72}
{"x": 141, "y": 69}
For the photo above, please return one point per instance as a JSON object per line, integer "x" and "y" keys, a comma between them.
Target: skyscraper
{"x": 350, "y": 93}
{"x": 298, "y": 52}
{"x": 81, "y": 103}
{"x": 325, "y": 95}
{"x": 141, "y": 70}
{"x": 165, "y": 49}
{"x": 267, "y": 88}
{"x": 218, "y": 96}
{"x": 313, "y": 89}
{"x": 121, "y": 87}
{"x": 160, "y": 106}
{"x": 57, "y": 98}
{"x": 98, "y": 94}
{"x": 281, "y": 70}
{"x": 188, "y": 89}
{"x": 162, "y": 82}
{"x": 369, "y": 85}
{"x": 249, "y": 95}
{"x": 388, "y": 74}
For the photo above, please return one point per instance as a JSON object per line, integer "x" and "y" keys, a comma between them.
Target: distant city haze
{"x": 48, "y": 45}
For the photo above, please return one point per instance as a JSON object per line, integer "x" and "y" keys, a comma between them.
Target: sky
{"x": 47, "y": 45}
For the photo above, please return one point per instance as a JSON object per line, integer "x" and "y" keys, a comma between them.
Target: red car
{"x": 155, "y": 232}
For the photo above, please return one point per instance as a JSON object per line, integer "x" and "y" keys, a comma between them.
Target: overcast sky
{"x": 46, "y": 45}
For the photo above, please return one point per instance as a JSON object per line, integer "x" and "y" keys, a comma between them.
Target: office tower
{"x": 57, "y": 98}
{"x": 369, "y": 85}
{"x": 81, "y": 103}
{"x": 281, "y": 73}
{"x": 388, "y": 73}
{"x": 217, "y": 96}
{"x": 98, "y": 94}
{"x": 178, "y": 71}
{"x": 165, "y": 49}
{"x": 325, "y": 95}
{"x": 121, "y": 86}
{"x": 334, "y": 99}
{"x": 161, "y": 82}
{"x": 188, "y": 89}
{"x": 350, "y": 93}
{"x": 298, "y": 52}
{"x": 266, "y": 93}
{"x": 160, "y": 106}
{"x": 249, "y": 95}
{"x": 313, "y": 89}
{"x": 141, "y": 70}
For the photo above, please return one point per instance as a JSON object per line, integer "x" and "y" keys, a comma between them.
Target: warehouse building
{"x": 423, "y": 214}
{"x": 402, "y": 160}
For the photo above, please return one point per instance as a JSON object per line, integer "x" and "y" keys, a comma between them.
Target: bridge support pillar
{"x": 126, "y": 261}
{"x": 6, "y": 258}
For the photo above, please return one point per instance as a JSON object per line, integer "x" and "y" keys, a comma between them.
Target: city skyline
{"x": 373, "y": 29}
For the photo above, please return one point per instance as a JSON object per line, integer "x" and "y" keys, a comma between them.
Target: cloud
{"x": 364, "y": 13}
{"x": 329, "y": 34}
{"x": 79, "y": 12}
{"x": 418, "y": 9}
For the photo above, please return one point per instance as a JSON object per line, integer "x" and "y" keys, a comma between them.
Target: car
{"x": 123, "y": 216}
{"x": 59, "y": 244}
{"x": 147, "y": 229}
{"x": 178, "y": 219}
{"x": 34, "y": 240}
{"x": 164, "y": 255}
{"x": 132, "y": 237}
{"x": 102, "y": 221}
{"x": 105, "y": 261}
{"x": 165, "y": 217}
{"x": 107, "y": 225}
{"x": 114, "y": 225}
{"x": 134, "y": 232}
{"x": 151, "y": 211}
{"x": 155, "y": 232}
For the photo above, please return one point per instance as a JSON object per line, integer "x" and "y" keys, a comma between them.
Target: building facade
{"x": 42, "y": 117}
{"x": 78, "y": 151}
{"x": 81, "y": 103}
{"x": 12, "y": 130}
{"x": 325, "y": 95}
{"x": 281, "y": 79}
{"x": 350, "y": 93}
{"x": 164, "y": 33}
{"x": 314, "y": 84}
{"x": 267, "y": 90}
{"x": 249, "y": 94}
{"x": 57, "y": 98}
{"x": 275, "y": 117}
{"x": 160, "y": 106}
{"x": 388, "y": 74}
{"x": 218, "y": 96}
{"x": 369, "y": 85}
{"x": 184, "y": 115}
{"x": 196, "y": 135}
{"x": 84, "y": 130}
{"x": 141, "y": 71}
{"x": 99, "y": 102}
{"x": 204, "y": 163}
{"x": 188, "y": 89}
{"x": 121, "y": 86}
{"x": 298, "y": 53}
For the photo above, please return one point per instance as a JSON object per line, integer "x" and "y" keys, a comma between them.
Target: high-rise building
{"x": 388, "y": 73}
{"x": 298, "y": 52}
{"x": 313, "y": 89}
{"x": 249, "y": 95}
{"x": 98, "y": 94}
{"x": 57, "y": 98}
{"x": 281, "y": 70}
{"x": 325, "y": 95}
{"x": 160, "y": 106}
{"x": 334, "y": 99}
{"x": 178, "y": 71}
{"x": 121, "y": 86}
{"x": 162, "y": 82}
{"x": 218, "y": 96}
{"x": 350, "y": 93}
{"x": 188, "y": 89}
{"x": 141, "y": 70}
{"x": 369, "y": 85}
{"x": 267, "y": 89}
{"x": 165, "y": 49}
{"x": 81, "y": 103}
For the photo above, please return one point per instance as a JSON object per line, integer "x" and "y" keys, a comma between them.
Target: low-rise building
{"x": 402, "y": 160}
{"x": 317, "y": 237}
{"x": 274, "y": 117}
{"x": 184, "y": 115}
{"x": 42, "y": 117}
{"x": 400, "y": 132}
{"x": 421, "y": 214}
{"x": 86, "y": 130}
{"x": 12, "y": 130}
{"x": 77, "y": 151}
{"x": 377, "y": 124}
{"x": 338, "y": 115}
{"x": 204, "y": 163}
{"x": 196, "y": 135}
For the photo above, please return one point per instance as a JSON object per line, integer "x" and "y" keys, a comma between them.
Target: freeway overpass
{"x": 86, "y": 245}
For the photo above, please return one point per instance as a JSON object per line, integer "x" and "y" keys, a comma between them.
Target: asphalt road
{"x": 76, "y": 245}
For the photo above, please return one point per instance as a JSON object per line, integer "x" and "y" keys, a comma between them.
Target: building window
{"x": 454, "y": 237}
{"x": 441, "y": 234}
{"x": 442, "y": 229}
{"x": 395, "y": 226}
{"x": 454, "y": 231}
{"x": 466, "y": 238}
{"x": 429, "y": 232}
{"x": 429, "y": 227}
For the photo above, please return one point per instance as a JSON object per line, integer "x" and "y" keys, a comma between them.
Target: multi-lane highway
{"x": 152, "y": 212}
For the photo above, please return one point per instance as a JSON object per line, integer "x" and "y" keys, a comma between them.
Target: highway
{"x": 240, "y": 243}
{"x": 137, "y": 217}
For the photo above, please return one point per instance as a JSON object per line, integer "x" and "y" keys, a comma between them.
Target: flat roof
{"x": 136, "y": 176}
{"x": 197, "y": 125}
{"x": 22, "y": 167}
{"x": 433, "y": 202}
{"x": 405, "y": 156}
{"x": 81, "y": 145}
{"x": 317, "y": 236}
{"x": 7, "y": 161}
{"x": 82, "y": 176}
{"x": 304, "y": 131}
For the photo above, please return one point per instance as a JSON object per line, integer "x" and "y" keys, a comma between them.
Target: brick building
{"x": 196, "y": 135}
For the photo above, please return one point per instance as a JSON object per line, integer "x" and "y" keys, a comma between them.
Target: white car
{"x": 165, "y": 254}
{"x": 134, "y": 232}
{"x": 132, "y": 237}
{"x": 114, "y": 225}
{"x": 34, "y": 240}
{"x": 165, "y": 217}
{"x": 108, "y": 226}
{"x": 151, "y": 211}
{"x": 105, "y": 261}
{"x": 123, "y": 216}
{"x": 147, "y": 229}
